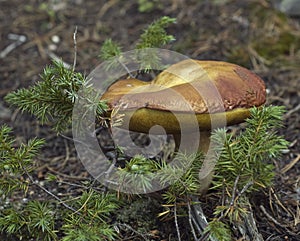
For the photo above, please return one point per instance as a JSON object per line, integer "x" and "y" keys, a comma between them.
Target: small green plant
{"x": 154, "y": 36}
{"x": 38, "y": 219}
{"x": 219, "y": 230}
{"x": 53, "y": 98}
{"x": 141, "y": 173}
{"x": 245, "y": 164}
{"x": 109, "y": 50}
{"x": 248, "y": 156}
{"x": 85, "y": 218}
{"x": 89, "y": 222}
{"x": 15, "y": 162}
{"x": 48, "y": 9}
{"x": 15, "y": 165}
{"x": 188, "y": 183}
{"x": 35, "y": 219}
{"x": 149, "y": 5}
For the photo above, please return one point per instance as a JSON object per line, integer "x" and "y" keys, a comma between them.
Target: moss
{"x": 266, "y": 13}
{"x": 239, "y": 55}
{"x": 272, "y": 36}
{"x": 140, "y": 214}
{"x": 272, "y": 47}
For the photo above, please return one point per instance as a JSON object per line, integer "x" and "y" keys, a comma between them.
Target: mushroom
{"x": 209, "y": 93}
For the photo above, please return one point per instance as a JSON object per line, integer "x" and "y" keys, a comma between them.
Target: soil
{"x": 250, "y": 33}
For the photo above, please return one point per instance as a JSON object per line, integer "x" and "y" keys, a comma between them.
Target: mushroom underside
{"x": 143, "y": 119}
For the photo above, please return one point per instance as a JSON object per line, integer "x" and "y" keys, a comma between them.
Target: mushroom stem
{"x": 204, "y": 142}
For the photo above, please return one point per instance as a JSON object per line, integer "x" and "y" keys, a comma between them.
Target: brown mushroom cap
{"x": 191, "y": 88}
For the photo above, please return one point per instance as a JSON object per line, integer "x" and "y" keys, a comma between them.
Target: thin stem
{"x": 125, "y": 67}
{"x": 206, "y": 171}
{"x": 47, "y": 191}
{"x": 234, "y": 190}
{"x": 176, "y": 222}
{"x": 133, "y": 230}
{"x": 190, "y": 220}
{"x": 75, "y": 48}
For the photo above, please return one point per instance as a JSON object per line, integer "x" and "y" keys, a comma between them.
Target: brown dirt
{"x": 250, "y": 33}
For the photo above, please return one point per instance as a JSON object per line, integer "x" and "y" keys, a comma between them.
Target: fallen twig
{"x": 190, "y": 221}
{"x": 287, "y": 114}
{"x": 290, "y": 165}
{"x": 176, "y": 223}
{"x": 19, "y": 39}
{"x": 75, "y": 48}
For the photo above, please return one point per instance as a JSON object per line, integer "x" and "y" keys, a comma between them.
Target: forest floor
{"x": 249, "y": 33}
